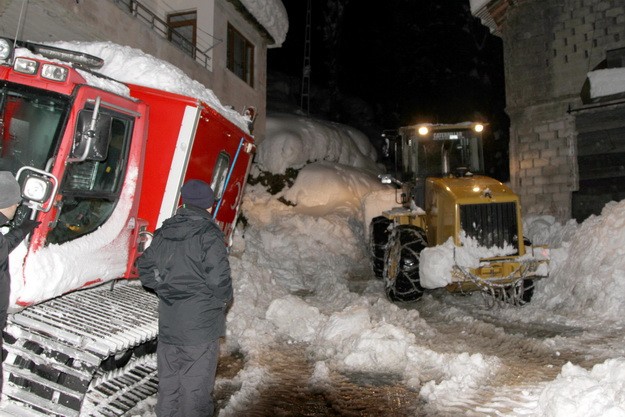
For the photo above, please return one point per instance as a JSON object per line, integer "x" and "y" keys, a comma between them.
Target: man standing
{"x": 187, "y": 266}
{"x": 10, "y": 198}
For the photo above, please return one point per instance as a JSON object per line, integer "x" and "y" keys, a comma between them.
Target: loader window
{"x": 465, "y": 151}
{"x": 91, "y": 188}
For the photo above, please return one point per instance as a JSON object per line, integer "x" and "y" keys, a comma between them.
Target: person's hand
{"x": 28, "y": 226}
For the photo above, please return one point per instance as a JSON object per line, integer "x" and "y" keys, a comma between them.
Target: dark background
{"x": 379, "y": 65}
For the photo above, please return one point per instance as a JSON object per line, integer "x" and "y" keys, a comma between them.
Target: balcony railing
{"x": 142, "y": 13}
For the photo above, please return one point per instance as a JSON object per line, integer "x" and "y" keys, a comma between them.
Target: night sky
{"x": 381, "y": 65}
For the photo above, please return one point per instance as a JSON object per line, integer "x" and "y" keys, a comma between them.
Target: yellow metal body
{"x": 441, "y": 220}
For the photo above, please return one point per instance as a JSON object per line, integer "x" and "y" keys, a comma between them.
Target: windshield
{"x": 424, "y": 156}
{"x": 31, "y": 122}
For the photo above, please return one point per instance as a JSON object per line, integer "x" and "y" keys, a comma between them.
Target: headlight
{"x": 6, "y": 49}
{"x": 54, "y": 72}
{"x": 478, "y": 127}
{"x": 423, "y": 130}
{"x": 25, "y": 66}
{"x": 36, "y": 189}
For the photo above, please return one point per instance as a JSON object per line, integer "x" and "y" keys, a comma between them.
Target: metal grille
{"x": 492, "y": 224}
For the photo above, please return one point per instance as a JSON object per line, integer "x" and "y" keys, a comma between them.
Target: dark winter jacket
{"x": 187, "y": 266}
{"x": 8, "y": 242}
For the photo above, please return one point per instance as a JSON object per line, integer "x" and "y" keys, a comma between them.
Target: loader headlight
{"x": 478, "y": 127}
{"x": 36, "y": 189}
{"x": 6, "y": 49}
{"x": 423, "y": 130}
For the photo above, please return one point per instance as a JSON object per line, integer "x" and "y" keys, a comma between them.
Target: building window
{"x": 240, "y": 56}
{"x": 182, "y": 30}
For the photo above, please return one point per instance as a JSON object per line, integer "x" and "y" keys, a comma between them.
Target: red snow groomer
{"x": 101, "y": 164}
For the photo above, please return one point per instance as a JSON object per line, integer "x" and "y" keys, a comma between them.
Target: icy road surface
{"x": 532, "y": 351}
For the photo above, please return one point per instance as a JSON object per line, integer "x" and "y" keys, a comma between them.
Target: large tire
{"x": 401, "y": 263}
{"x": 379, "y": 232}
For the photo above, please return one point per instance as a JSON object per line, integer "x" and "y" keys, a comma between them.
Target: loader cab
{"x": 429, "y": 150}
{"x": 441, "y": 150}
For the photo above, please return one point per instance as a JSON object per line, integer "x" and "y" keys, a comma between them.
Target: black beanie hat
{"x": 197, "y": 193}
{"x": 10, "y": 192}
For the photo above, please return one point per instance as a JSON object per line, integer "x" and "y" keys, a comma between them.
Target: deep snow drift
{"x": 291, "y": 267}
{"x": 291, "y": 271}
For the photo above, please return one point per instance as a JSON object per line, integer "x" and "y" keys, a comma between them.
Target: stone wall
{"x": 549, "y": 47}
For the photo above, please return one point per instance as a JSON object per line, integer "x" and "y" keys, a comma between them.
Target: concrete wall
{"x": 549, "y": 47}
{"x": 103, "y": 20}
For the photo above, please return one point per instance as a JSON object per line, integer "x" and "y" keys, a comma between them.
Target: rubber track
{"x": 54, "y": 352}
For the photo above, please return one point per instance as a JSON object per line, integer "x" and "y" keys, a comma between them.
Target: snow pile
{"x": 577, "y": 392}
{"x": 133, "y": 66}
{"x": 293, "y": 142}
{"x": 322, "y": 188}
{"x": 436, "y": 263}
{"x": 292, "y": 266}
{"x": 271, "y": 14}
{"x": 588, "y": 270}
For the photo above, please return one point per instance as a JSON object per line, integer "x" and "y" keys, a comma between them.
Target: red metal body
{"x": 169, "y": 138}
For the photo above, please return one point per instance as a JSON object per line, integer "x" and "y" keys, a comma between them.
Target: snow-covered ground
{"x": 293, "y": 266}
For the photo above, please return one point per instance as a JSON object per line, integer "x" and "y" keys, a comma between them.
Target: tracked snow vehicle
{"x": 100, "y": 164}
{"x": 442, "y": 194}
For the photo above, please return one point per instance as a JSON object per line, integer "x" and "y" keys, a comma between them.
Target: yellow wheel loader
{"x": 443, "y": 198}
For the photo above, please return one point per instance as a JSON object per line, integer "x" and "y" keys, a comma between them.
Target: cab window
{"x": 91, "y": 189}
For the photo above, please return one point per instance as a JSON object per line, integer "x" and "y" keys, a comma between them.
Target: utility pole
{"x": 305, "y": 97}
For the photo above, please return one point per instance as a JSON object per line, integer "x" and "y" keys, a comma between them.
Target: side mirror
{"x": 92, "y": 136}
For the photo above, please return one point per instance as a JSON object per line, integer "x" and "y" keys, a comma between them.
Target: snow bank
{"x": 293, "y": 142}
{"x": 322, "y": 188}
{"x": 588, "y": 269}
{"x": 292, "y": 267}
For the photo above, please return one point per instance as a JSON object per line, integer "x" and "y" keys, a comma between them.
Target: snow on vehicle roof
{"x": 133, "y": 66}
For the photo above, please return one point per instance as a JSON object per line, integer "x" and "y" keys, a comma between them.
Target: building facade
{"x": 220, "y": 43}
{"x": 567, "y": 153}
